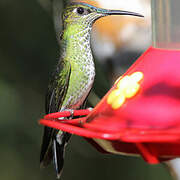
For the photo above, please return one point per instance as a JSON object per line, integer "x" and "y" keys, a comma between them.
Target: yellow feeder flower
{"x": 127, "y": 87}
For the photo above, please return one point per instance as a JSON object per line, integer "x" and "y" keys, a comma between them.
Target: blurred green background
{"x": 28, "y": 53}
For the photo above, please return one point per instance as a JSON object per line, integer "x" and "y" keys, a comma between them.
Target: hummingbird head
{"x": 85, "y": 14}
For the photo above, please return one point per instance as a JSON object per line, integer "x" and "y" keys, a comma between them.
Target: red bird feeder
{"x": 140, "y": 114}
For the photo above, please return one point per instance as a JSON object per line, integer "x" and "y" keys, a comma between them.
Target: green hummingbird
{"x": 73, "y": 77}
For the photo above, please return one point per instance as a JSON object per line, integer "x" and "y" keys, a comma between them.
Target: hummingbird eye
{"x": 82, "y": 11}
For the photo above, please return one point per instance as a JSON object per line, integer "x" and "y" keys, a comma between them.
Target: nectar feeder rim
{"x": 76, "y": 126}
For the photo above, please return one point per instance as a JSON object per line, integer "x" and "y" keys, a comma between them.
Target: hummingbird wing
{"x": 58, "y": 86}
{"x": 57, "y": 90}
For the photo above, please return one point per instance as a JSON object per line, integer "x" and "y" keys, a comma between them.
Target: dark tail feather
{"x": 53, "y": 148}
{"x": 59, "y": 144}
{"x": 58, "y": 150}
{"x": 46, "y": 147}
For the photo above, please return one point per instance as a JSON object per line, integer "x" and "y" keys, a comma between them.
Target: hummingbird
{"x": 73, "y": 76}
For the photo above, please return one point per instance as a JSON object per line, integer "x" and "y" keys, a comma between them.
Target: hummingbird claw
{"x": 71, "y": 112}
{"x": 70, "y": 116}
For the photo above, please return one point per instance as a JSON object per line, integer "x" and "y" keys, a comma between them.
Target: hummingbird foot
{"x": 71, "y": 114}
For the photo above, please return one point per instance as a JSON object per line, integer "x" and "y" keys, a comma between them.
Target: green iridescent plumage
{"x": 74, "y": 75}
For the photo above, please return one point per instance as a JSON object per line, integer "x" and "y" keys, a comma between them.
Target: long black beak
{"x": 118, "y": 12}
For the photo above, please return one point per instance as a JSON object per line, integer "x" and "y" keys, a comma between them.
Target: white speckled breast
{"x": 82, "y": 69}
